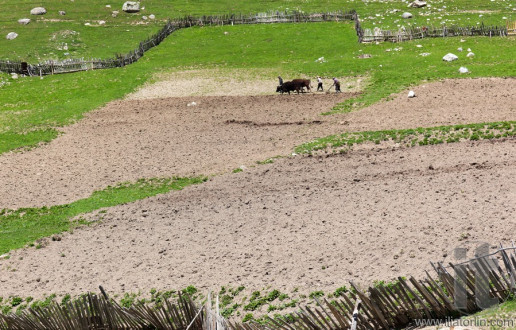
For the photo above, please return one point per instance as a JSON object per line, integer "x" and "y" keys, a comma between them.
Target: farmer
{"x": 280, "y": 81}
{"x": 336, "y": 83}
{"x": 319, "y": 84}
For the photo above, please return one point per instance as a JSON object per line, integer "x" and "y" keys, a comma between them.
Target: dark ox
{"x": 294, "y": 85}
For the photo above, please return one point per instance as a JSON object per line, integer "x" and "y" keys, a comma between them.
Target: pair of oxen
{"x": 297, "y": 85}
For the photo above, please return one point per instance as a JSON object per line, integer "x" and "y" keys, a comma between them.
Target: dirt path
{"x": 312, "y": 223}
{"x": 148, "y": 137}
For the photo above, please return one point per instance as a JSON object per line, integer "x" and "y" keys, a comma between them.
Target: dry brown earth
{"x": 132, "y": 139}
{"x": 312, "y": 223}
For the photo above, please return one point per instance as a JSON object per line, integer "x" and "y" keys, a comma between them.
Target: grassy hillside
{"x": 46, "y": 36}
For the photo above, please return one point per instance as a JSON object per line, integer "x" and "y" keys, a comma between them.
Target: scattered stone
{"x": 469, "y": 49}
{"x": 145, "y": 18}
{"x": 152, "y": 16}
{"x": 462, "y": 40}
{"x": 417, "y": 4}
{"x": 131, "y": 7}
{"x": 463, "y": 70}
{"x": 419, "y": 46}
{"x": 108, "y": 6}
{"x": 191, "y": 104}
{"x": 38, "y": 11}
{"x": 470, "y": 54}
{"x": 115, "y": 13}
{"x": 459, "y": 49}
{"x": 87, "y": 24}
{"x": 450, "y": 57}
{"x": 424, "y": 54}
{"x": 24, "y": 21}
{"x": 62, "y": 12}
{"x": 406, "y": 15}
{"x": 14, "y": 76}
{"x": 365, "y": 56}
{"x": 102, "y": 22}
{"x": 11, "y": 36}
{"x": 411, "y": 94}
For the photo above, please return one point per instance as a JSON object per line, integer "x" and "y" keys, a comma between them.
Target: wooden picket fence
{"x": 74, "y": 65}
{"x": 379, "y": 35}
{"x": 454, "y": 290}
{"x": 511, "y": 28}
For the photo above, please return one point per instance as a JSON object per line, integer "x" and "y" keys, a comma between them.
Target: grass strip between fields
{"x": 411, "y": 137}
{"x": 22, "y": 227}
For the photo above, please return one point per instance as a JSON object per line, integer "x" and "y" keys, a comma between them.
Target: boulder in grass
{"x": 24, "y": 21}
{"x": 450, "y": 57}
{"x": 411, "y": 94}
{"x": 131, "y": 7}
{"x": 152, "y": 16}
{"x": 417, "y": 4}
{"x": 62, "y": 12}
{"x": 470, "y": 54}
{"x": 406, "y": 15}
{"x": 463, "y": 70}
{"x": 11, "y": 35}
{"x": 38, "y": 11}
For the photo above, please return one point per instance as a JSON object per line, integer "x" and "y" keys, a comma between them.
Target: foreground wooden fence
{"x": 454, "y": 290}
{"x": 74, "y": 65}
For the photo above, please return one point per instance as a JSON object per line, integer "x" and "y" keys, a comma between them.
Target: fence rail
{"x": 454, "y": 290}
{"x": 121, "y": 60}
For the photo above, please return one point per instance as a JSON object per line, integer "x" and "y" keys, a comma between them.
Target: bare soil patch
{"x": 312, "y": 223}
{"x": 225, "y": 83}
{"x": 132, "y": 139}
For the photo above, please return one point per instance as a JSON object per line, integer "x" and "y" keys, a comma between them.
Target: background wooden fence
{"x": 379, "y": 35}
{"x": 453, "y": 290}
{"x": 74, "y": 65}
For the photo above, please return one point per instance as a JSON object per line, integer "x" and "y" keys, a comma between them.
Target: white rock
{"x": 417, "y": 4}
{"x": 469, "y": 49}
{"x": 470, "y": 54}
{"x": 114, "y": 13}
{"x": 462, "y": 40}
{"x": 459, "y": 49}
{"x": 424, "y": 54}
{"x": 145, "y": 18}
{"x": 102, "y": 22}
{"x": 131, "y": 7}
{"x": 24, "y": 21}
{"x": 108, "y": 6}
{"x": 419, "y": 46}
{"x": 191, "y": 104}
{"x": 226, "y": 33}
{"x": 152, "y": 16}
{"x": 38, "y": 11}
{"x": 406, "y": 15}
{"x": 87, "y": 24}
{"x": 62, "y": 12}
{"x": 463, "y": 70}
{"x": 411, "y": 94}
{"x": 11, "y": 36}
{"x": 450, "y": 57}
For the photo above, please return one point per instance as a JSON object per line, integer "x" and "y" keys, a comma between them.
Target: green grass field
{"x": 46, "y": 35}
